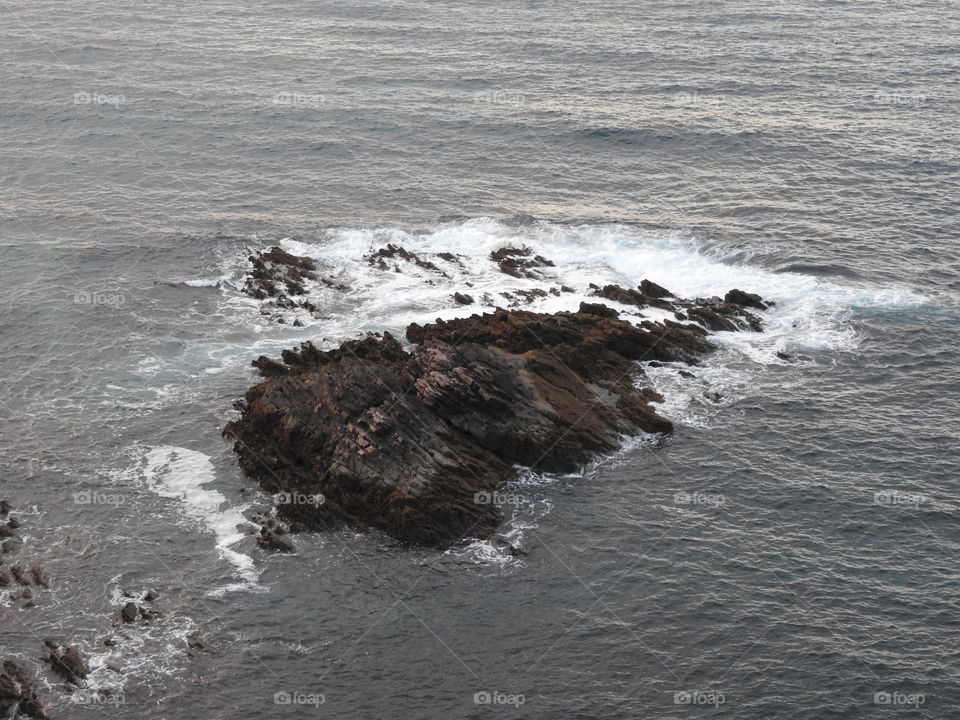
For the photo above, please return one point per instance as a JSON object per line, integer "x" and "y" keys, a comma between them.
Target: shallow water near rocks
{"x": 790, "y": 547}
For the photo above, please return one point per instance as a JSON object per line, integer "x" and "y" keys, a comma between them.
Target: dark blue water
{"x": 789, "y": 552}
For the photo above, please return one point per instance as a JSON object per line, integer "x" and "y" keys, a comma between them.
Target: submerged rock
{"x": 412, "y": 443}
{"x": 391, "y": 251}
{"x": 18, "y": 693}
{"x": 277, "y": 273}
{"x": 519, "y": 262}
{"x": 129, "y": 612}
{"x": 628, "y": 296}
{"x": 67, "y": 662}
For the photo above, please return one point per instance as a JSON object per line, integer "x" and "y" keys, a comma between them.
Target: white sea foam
{"x": 205, "y": 282}
{"x": 181, "y": 474}
{"x": 811, "y": 313}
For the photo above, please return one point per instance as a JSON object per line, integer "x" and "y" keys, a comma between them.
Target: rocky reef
{"x": 412, "y": 439}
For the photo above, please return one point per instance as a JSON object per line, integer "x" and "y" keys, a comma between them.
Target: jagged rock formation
{"x": 519, "y": 262}
{"x": 67, "y": 662}
{"x": 411, "y": 442}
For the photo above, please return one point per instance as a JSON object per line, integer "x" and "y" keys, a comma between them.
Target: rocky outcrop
{"x": 67, "y": 662}
{"x": 138, "y": 606}
{"x": 651, "y": 289}
{"x": 398, "y": 252}
{"x": 411, "y": 443}
{"x": 18, "y": 693}
{"x": 745, "y": 299}
{"x": 628, "y": 296}
{"x": 278, "y": 274}
{"x": 280, "y": 278}
{"x": 17, "y": 579}
{"x": 519, "y": 262}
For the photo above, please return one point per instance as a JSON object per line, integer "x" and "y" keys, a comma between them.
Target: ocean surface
{"x": 791, "y": 551}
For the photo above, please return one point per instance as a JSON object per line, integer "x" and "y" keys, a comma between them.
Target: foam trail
{"x": 180, "y": 474}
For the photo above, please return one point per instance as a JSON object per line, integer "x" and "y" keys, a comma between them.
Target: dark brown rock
{"x": 391, "y": 251}
{"x": 268, "y": 367}
{"x": 277, "y": 273}
{"x": 38, "y": 577}
{"x": 463, "y": 299}
{"x": 531, "y": 295}
{"x": 67, "y": 662}
{"x": 130, "y": 612}
{"x": 711, "y": 319}
{"x": 18, "y": 693}
{"x": 404, "y": 442}
{"x": 651, "y": 289}
{"x": 598, "y": 310}
{"x": 628, "y": 296}
{"x": 519, "y": 262}
{"x": 272, "y": 538}
{"x": 745, "y": 299}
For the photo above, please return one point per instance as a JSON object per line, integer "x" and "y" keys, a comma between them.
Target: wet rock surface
{"x": 519, "y": 262}
{"x": 67, "y": 662}
{"x": 280, "y": 280}
{"x": 405, "y": 442}
{"x": 14, "y": 577}
{"x": 278, "y": 274}
{"x": 138, "y": 606}
{"x": 18, "y": 693}
{"x": 396, "y": 253}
